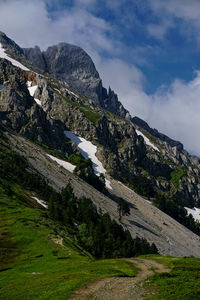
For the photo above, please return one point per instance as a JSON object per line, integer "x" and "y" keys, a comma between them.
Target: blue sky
{"x": 161, "y": 55}
{"x": 146, "y": 50}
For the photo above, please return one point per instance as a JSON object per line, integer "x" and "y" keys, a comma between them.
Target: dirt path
{"x": 122, "y": 288}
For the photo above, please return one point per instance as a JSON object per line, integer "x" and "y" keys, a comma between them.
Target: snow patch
{"x": 63, "y": 163}
{"x": 195, "y": 212}
{"x": 32, "y": 90}
{"x": 88, "y": 150}
{"x": 13, "y": 61}
{"x": 146, "y": 140}
{"x": 108, "y": 184}
{"x": 70, "y": 92}
{"x": 41, "y": 202}
{"x": 38, "y": 102}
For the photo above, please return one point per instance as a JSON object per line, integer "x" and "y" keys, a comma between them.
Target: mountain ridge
{"x": 150, "y": 165}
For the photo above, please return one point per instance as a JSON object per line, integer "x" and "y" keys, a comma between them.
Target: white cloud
{"x": 189, "y": 10}
{"x": 159, "y": 30}
{"x": 29, "y": 24}
{"x": 166, "y": 13}
{"x": 174, "y": 110}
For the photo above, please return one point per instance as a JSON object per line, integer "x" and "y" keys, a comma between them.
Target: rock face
{"x": 19, "y": 111}
{"x": 70, "y": 64}
{"x": 145, "y": 220}
{"x": 36, "y": 57}
{"x": 10, "y": 45}
{"x": 160, "y": 162}
{"x": 73, "y": 65}
{"x": 130, "y": 151}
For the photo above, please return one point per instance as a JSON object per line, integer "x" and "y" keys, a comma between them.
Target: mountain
{"x": 60, "y": 116}
{"x": 73, "y": 66}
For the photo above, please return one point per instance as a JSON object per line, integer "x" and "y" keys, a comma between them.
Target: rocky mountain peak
{"x": 70, "y": 64}
{"x": 10, "y": 45}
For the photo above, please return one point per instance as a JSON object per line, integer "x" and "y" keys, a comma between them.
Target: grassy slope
{"x": 26, "y": 246}
{"x": 183, "y": 282}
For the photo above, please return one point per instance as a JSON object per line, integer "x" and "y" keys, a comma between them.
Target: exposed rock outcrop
{"x": 127, "y": 155}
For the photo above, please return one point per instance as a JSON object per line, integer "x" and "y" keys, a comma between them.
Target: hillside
{"x": 83, "y": 184}
{"x": 42, "y": 255}
{"x": 42, "y": 109}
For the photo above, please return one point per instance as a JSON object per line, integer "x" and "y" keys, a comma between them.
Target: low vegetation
{"x": 32, "y": 263}
{"x": 95, "y": 232}
{"x": 47, "y": 254}
{"x": 85, "y": 171}
{"x": 183, "y": 282}
{"x": 142, "y": 186}
{"x": 173, "y": 207}
{"x": 176, "y": 175}
{"x": 90, "y": 114}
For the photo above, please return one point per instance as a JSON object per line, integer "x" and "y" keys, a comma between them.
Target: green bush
{"x": 176, "y": 175}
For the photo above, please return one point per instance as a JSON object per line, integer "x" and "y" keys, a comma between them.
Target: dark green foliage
{"x": 96, "y": 232}
{"x": 52, "y": 151}
{"x": 142, "y": 186}
{"x": 14, "y": 169}
{"x": 79, "y": 161}
{"x": 85, "y": 171}
{"x": 176, "y": 175}
{"x": 172, "y": 207}
{"x": 123, "y": 208}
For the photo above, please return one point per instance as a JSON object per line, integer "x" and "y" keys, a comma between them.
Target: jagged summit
{"x": 10, "y": 45}
{"x": 72, "y": 65}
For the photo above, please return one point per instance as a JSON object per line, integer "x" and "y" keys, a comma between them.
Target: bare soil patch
{"x": 122, "y": 288}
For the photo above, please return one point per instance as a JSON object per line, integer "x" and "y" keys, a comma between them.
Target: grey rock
{"x": 36, "y": 57}
{"x": 10, "y": 45}
{"x": 72, "y": 65}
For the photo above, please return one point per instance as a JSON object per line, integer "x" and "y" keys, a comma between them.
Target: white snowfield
{"x": 146, "y": 140}
{"x": 41, "y": 202}
{"x": 88, "y": 150}
{"x": 13, "y": 61}
{"x": 195, "y": 212}
{"x": 32, "y": 90}
{"x": 63, "y": 163}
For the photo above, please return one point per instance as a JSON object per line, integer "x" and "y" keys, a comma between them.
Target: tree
{"x": 123, "y": 208}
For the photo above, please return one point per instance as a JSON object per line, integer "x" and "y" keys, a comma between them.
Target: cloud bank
{"x": 173, "y": 110}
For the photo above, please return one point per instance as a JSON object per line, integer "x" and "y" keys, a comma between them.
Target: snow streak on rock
{"x": 195, "y": 212}
{"x": 146, "y": 140}
{"x": 63, "y": 163}
{"x": 73, "y": 94}
{"x": 32, "y": 90}
{"x": 13, "y": 61}
{"x": 88, "y": 150}
{"x": 41, "y": 202}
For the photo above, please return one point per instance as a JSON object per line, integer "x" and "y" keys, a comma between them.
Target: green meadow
{"x": 33, "y": 265}
{"x": 182, "y": 283}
